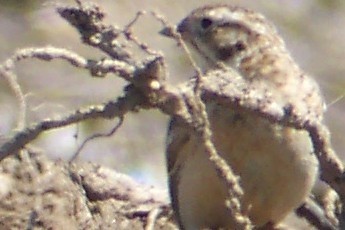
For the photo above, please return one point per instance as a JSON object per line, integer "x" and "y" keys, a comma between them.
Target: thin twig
{"x": 6, "y": 71}
{"x": 118, "y": 108}
{"x": 95, "y": 136}
{"x": 202, "y": 126}
{"x": 314, "y": 215}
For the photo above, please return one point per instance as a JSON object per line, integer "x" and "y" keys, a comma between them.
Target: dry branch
{"x": 147, "y": 89}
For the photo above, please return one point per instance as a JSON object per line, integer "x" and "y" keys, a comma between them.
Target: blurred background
{"x": 314, "y": 31}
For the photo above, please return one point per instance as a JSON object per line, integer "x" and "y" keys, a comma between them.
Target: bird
{"x": 276, "y": 164}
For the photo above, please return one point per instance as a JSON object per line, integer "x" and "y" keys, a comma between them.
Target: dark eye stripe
{"x": 234, "y": 25}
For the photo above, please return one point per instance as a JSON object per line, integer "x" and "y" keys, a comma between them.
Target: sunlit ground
{"x": 313, "y": 30}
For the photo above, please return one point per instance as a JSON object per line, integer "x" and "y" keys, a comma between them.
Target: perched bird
{"x": 276, "y": 164}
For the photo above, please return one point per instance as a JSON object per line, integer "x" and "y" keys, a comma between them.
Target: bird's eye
{"x": 206, "y": 23}
{"x": 239, "y": 46}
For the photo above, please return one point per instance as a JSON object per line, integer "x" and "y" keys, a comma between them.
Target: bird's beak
{"x": 169, "y": 31}
{"x": 172, "y": 31}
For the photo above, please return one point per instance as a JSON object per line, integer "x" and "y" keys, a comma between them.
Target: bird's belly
{"x": 276, "y": 166}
